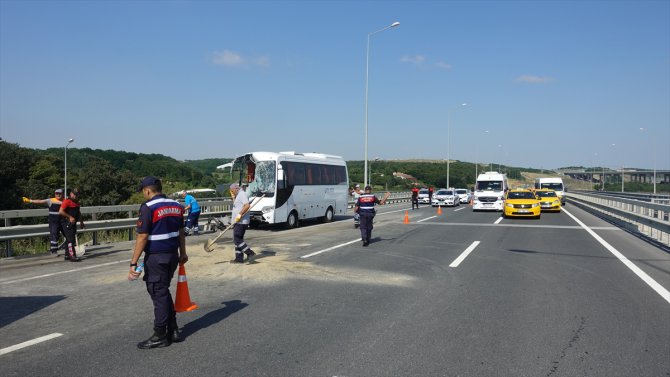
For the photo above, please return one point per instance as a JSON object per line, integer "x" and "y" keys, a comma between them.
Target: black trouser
{"x": 415, "y": 201}
{"x": 54, "y": 229}
{"x": 366, "y": 226}
{"x": 159, "y": 269}
{"x": 238, "y": 240}
{"x": 70, "y": 233}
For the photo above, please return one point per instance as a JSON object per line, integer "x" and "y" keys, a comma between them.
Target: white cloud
{"x": 443, "y": 65}
{"x": 534, "y": 79}
{"x": 233, "y": 59}
{"x": 417, "y": 59}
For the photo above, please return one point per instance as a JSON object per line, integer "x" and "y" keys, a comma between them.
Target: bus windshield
{"x": 489, "y": 185}
{"x": 264, "y": 179}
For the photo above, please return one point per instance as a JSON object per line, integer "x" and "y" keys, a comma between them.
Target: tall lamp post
{"x": 653, "y": 152}
{"x": 66, "y": 145}
{"x": 449, "y": 141}
{"x": 367, "y": 67}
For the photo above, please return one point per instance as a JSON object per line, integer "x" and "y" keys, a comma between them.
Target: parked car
{"x": 549, "y": 200}
{"x": 424, "y": 196}
{"x": 463, "y": 195}
{"x": 445, "y": 197}
{"x": 521, "y": 203}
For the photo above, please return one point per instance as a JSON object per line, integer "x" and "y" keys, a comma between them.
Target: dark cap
{"x": 149, "y": 181}
{"x": 75, "y": 191}
{"x": 368, "y": 188}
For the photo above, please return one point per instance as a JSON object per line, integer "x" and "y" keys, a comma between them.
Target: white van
{"x": 555, "y": 184}
{"x": 489, "y": 191}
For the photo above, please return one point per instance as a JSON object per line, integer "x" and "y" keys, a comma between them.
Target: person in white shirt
{"x": 241, "y": 220}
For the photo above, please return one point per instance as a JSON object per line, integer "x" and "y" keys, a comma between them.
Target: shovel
{"x": 209, "y": 245}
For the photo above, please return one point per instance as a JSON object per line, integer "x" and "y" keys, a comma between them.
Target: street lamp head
{"x": 70, "y": 141}
{"x": 395, "y": 24}
{"x": 464, "y": 104}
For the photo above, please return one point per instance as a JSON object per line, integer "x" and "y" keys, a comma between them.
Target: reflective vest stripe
{"x": 163, "y": 236}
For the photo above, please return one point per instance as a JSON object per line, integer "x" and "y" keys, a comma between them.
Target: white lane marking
{"x": 63, "y": 272}
{"x": 29, "y": 343}
{"x": 460, "y": 209}
{"x": 427, "y": 218}
{"x": 641, "y": 274}
{"x": 499, "y": 220}
{"x": 464, "y": 254}
{"x": 330, "y": 248}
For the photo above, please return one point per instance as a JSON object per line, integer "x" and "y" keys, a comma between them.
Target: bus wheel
{"x": 292, "y": 220}
{"x": 328, "y": 217}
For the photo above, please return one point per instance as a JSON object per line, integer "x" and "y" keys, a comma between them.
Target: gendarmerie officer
{"x": 160, "y": 235}
{"x": 365, "y": 207}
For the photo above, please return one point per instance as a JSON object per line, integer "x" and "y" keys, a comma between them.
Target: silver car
{"x": 463, "y": 195}
{"x": 445, "y": 198}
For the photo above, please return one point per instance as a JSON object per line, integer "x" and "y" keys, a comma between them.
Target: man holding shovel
{"x": 240, "y": 218}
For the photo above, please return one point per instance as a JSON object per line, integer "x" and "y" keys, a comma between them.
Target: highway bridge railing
{"x": 646, "y": 218}
{"x": 125, "y": 219}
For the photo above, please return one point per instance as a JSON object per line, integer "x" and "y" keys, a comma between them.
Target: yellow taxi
{"x": 521, "y": 203}
{"x": 549, "y": 200}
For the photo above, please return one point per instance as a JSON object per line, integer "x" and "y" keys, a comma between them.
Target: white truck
{"x": 489, "y": 191}
{"x": 552, "y": 183}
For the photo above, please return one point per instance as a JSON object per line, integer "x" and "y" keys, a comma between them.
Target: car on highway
{"x": 521, "y": 203}
{"x": 463, "y": 195}
{"x": 549, "y": 200}
{"x": 424, "y": 196}
{"x": 445, "y": 198}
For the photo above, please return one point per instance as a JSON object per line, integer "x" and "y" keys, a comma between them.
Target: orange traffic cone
{"x": 406, "y": 217}
{"x": 182, "y": 302}
{"x": 439, "y": 210}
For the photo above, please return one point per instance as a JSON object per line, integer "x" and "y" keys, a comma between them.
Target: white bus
{"x": 286, "y": 187}
{"x": 489, "y": 191}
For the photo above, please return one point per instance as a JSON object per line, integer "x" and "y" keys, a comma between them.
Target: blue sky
{"x": 547, "y": 83}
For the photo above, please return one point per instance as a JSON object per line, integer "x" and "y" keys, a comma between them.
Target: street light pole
{"x": 653, "y": 151}
{"x": 449, "y": 142}
{"x": 68, "y": 143}
{"x": 367, "y": 67}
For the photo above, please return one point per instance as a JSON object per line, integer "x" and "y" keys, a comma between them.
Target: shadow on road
{"x": 213, "y": 317}
{"x": 15, "y": 308}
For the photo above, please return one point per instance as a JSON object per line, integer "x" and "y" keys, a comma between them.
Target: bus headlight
{"x": 268, "y": 209}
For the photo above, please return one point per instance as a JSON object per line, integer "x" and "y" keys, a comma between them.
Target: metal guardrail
{"x": 649, "y": 219}
{"x": 210, "y": 208}
{"x": 8, "y": 233}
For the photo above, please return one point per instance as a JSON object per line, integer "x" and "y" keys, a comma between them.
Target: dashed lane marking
{"x": 464, "y": 254}
{"x": 29, "y": 343}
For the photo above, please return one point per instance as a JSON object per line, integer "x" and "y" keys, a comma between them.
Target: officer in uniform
{"x": 365, "y": 207}
{"x": 53, "y": 218}
{"x": 160, "y": 234}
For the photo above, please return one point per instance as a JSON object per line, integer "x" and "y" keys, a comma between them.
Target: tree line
{"x": 109, "y": 177}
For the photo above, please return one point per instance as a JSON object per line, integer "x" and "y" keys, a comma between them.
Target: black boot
{"x": 158, "y": 340}
{"x": 250, "y": 256}
{"x": 239, "y": 258}
{"x": 174, "y": 333}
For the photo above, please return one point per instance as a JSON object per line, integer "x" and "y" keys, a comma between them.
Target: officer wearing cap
{"x": 160, "y": 236}
{"x": 53, "y": 218}
{"x": 70, "y": 213}
{"x": 365, "y": 207}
